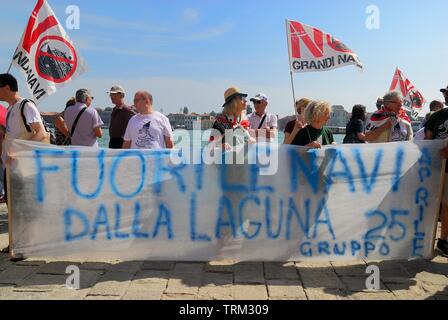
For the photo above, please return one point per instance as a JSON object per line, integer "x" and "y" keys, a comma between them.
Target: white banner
{"x": 45, "y": 54}
{"x": 311, "y": 49}
{"x": 373, "y": 202}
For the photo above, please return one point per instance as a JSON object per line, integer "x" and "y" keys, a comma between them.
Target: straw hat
{"x": 232, "y": 93}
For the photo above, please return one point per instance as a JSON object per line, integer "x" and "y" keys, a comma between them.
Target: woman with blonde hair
{"x": 293, "y": 127}
{"x": 315, "y": 134}
{"x": 230, "y": 119}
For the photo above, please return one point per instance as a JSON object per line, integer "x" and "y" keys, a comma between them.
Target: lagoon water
{"x": 182, "y": 138}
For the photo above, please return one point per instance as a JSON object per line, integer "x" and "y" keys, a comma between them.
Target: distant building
{"x": 339, "y": 117}
{"x": 105, "y": 116}
{"x": 187, "y": 121}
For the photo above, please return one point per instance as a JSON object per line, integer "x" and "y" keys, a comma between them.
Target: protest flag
{"x": 45, "y": 55}
{"x": 413, "y": 99}
{"x": 312, "y": 50}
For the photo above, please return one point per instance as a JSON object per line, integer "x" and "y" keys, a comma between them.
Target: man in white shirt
{"x": 148, "y": 129}
{"x": 15, "y": 124}
{"x": 26, "y": 125}
{"x": 262, "y": 124}
{"x": 390, "y": 124}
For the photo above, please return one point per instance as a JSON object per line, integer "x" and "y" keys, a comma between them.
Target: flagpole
{"x": 288, "y": 40}
{"x": 12, "y": 60}
{"x": 10, "y": 66}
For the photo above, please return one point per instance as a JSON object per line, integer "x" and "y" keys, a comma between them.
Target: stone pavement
{"x": 146, "y": 280}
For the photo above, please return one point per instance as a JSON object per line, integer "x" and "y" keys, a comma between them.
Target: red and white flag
{"x": 312, "y": 50}
{"x": 45, "y": 54}
{"x": 413, "y": 99}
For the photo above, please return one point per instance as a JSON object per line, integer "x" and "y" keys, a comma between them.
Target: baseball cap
{"x": 116, "y": 89}
{"x": 260, "y": 97}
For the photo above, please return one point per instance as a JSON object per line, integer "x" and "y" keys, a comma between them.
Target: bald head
{"x": 145, "y": 95}
{"x": 143, "y": 102}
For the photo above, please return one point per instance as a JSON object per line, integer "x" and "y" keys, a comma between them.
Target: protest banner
{"x": 413, "y": 99}
{"x": 311, "y": 49}
{"x": 348, "y": 202}
{"x": 45, "y": 55}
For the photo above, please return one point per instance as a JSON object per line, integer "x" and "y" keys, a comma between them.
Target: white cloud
{"x": 190, "y": 15}
{"x": 110, "y": 23}
{"x": 209, "y": 33}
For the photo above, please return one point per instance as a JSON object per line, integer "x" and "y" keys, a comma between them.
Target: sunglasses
{"x": 257, "y": 102}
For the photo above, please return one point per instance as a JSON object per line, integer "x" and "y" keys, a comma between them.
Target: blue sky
{"x": 188, "y": 52}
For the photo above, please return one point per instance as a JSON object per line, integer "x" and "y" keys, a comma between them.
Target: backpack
{"x": 45, "y": 124}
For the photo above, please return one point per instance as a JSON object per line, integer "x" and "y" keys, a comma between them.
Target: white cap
{"x": 260, "y": 97}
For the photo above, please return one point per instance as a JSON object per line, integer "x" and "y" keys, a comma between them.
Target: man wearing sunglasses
{"x": 262, "y": 124}
{"x": 390, "y": 124}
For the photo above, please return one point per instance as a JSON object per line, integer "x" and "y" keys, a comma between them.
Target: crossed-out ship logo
{"x": 45, "y": 54}
{"x": 55, "y": 59}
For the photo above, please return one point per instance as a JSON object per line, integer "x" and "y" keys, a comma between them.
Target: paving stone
{"x": 177, "y": 296}
{"x": 134, "y": 294}
{"x": 29, "y": 262}
{"x": 15, "y": 274}
{"x": 220, "y": 266}
{"x": 41, "y": 282}
{"x": 372, "y": 296}
{"x": 5, "y": 291}
{"x": 95, "y": 266}
{"x": 433, "y": 288}
{"x": 33, "y": 295}
{"x": 357, "y": 284}
{"x": 409, "y": 292}
{"x": 96, "y": 297}
{"x": 215, "y": 293}
{"x": 285, "y": 289}
{"x": 158, "y": 265}
{"x": 150, "y": 280}
{"x": 57, "y": 268}
{"x": 325, "y": 294}
{"x": 249, "y": 273}
{"x": 68, "y": 294}
{"x": 319, "y": 279}
{"x": 249, "y": 292}
{"x": 351, "y": 270}
{"x": 324, "y": 266}
{"x": 273, "y": 270}
{"x": 5, "y": 263}
{"x": 112, "y": 283}
{"x": 432, "y": 278}
{"x": 128, "y": 266}
{"x": 188, "y": 268}
{"x": 180, "y": 286}
{"x": 212, "y": 279}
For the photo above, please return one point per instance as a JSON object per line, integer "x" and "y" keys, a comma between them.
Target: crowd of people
{"x": 141, "y": 127}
